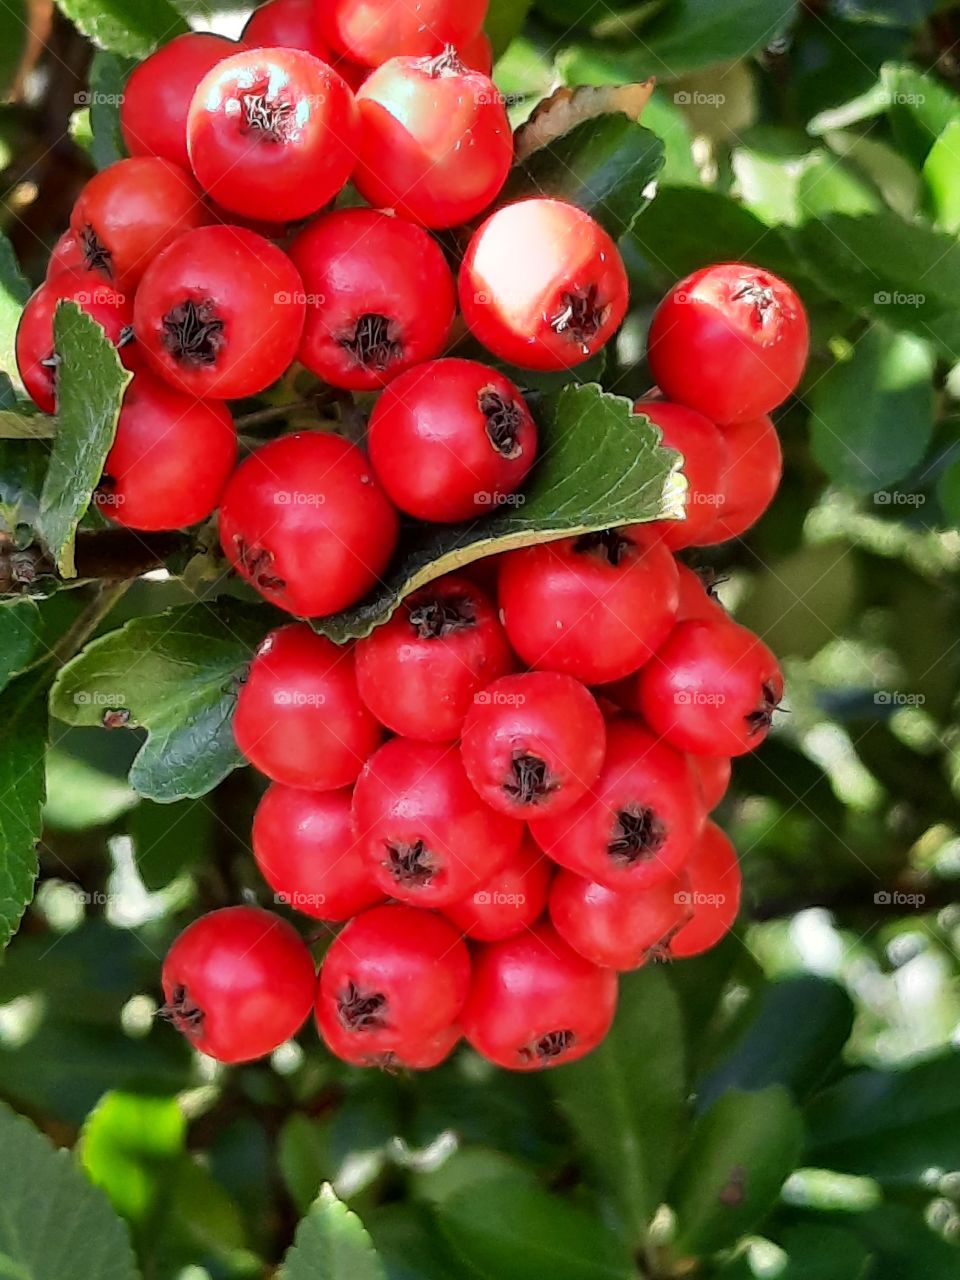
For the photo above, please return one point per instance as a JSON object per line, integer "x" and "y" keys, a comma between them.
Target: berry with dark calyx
{"x": 381, "y": 297}
{"x": 713, "y": 886}
{"x": 751, "y": 475}
{"x": 511, "y": 901}
{"x": 238, "y": 983}
{"x": 130, "y": 212}
{"x": 272, "y": 133}
{"x": 730, "y": 341}
{"x": 170, "y": 459}
{"x": 299, "y": 718}
{"x": 618, "y": 929}
{"x": 158, "y": 92}
{"x": 305, "y": 522}
{"x": 711, "y": 689}
{"x": 640, "y": 820}
{"x": 534, "y": 743}
{"x": 304, "y": 845}
{"x": 427, "y": 837}
{"x": 542, "y": 285}
{"x": 391, "y": 988}
{"x": 594, "y": 606}
{"x": 451, "y": 440}
{"x": 371, "y": 31}
{"x": 702, "y": 447}
{"x": 219, "y": 313}
{"x": 286, "y": 24}
{"x": 714, "y": 774}
{"x": 420, "y": 672}
{"x": 698, "y": 596}
{"x": 435, "y": 141}
{"x": 535, "y": 1003}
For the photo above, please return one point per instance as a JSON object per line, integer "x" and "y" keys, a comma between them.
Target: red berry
{"x": 238, "y": 983}
{"x": 697, "y": 600}
{"x": 286, "y": 24}
{"x": 36, "y": 358}
{"x": 299, "y": 718}
{"x": 272, "y": 133}
{"x": 730, "y": 341}
{"x": 420, "y": 672}
{"x": 305, "y": 522}
{"x": 511, "y": 901}
{"x": 156, "y": 97}
{"x": 170, "y": 460}
{"x": 371, "y": 31}
{"x": 435, "y": 141}
{"x": 130, "y": 212}
{"x": 66, "y": 255}
{"x": 535, "y": 1003}
{"x": 426, "y": 835}
{"x": 542, "y": 285}
{"x": 712, "y": 688}
{"x": 451, "y": 440}
{"x": 702, "y": 446}
{"x": 219, "y": 313}
{"x": 751, "y": 475}
{"x": 595, "y": 607}
{"x": 478, "y": 53}
{"x": 533, "y": 743}
{"x": 714, "y": 774}
{"x": 304, "y": 846}
{"x": 617, "y": 930}
{"x": 381, "y": 297}
{"x": 392, "y": 986}
{"x": 640, "y": 820}
{"x": 713, "y": 881}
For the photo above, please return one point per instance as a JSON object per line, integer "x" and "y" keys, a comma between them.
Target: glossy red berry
{"x": 714, "y": 774}
{"x": 158, "y": 92}
{"x": 730, "y": 341}
{"x": 712, "y": 897}
{"x": 712, "y": 688}
{"x": 751, "y": 476}
{"x": 371, "y": 31}
{"x": 391, "y": 988}
{"x": 595, "y": 606}
{"x": 219, "y": 313}
{"x": 638, "y": 823}
{"x": 238, "y": 983}
{"x": 420, "y": 672}
{"x": 37, "y": 360}
{"x": 451, "y": 440}
{"x": 511, "y": 901}
{"x": 427, "y": 837}
{"x": 130, "y": 212}
{"x": 617, "y": 929}
{"x": 533, "y": 743}
{"x": 381, "y": 297}
{"x": 305, "y": 848}
{"x": 535, "y": 1003}
{"x": 542, "y": 285}
{"x": 305, "y": 522}
{"x": 697, "y": 598}
{"x": 435, "y": 141}
{"x": 299, "y": 718}
{"x": 286, "y": 24}
{"x": 702, "y": 447}
{"x": 66, "y": 255}
{"x": 170, "y": 459}
{"x": 272, "y": 133}
{"x": 478, "y": 53}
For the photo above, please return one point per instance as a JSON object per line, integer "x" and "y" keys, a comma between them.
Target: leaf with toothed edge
{"x": 22, "y": 792}
{"x": 331, "y": 1244}
{"x": 599, "y": 465}
{"x": 125, "y": 26}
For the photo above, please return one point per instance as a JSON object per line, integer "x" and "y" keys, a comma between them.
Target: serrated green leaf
{"x": 125, "y": 26}
{"x": 599, "y": 465}
{"x": 331, "y": 1244}
{"x": 54, "y": 1224}
{"x": 176, "y": 674}
{"x": 108, "y": 76}
{"x": 90, "y": 386}
{"x": 22, "y": 747}
{"x": 626, "y": 1099}
{"x": 14, "y": 291}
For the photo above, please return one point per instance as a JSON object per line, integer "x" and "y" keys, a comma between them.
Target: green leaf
{"x": 176, "y": 674}
{"x": 504, "y": 21}
{"x": 23, "y": 465}
{"x": 108, "y": 76}
{"x": 604, "y": 166}
{"x": 599, "y": 465}
{"x": 19, "y": 620}
{"x": 54, "y": 1224}
{"x": 169, "y": 839}
{"x": 304, "y": 1158}
{"x": 127, "y": 1146}
{"x": 25, "y": 422}
{"x": 14, "y": 291}
{"x": 919, "y": 108}
{"x": 13, "y": 39}
{"x": 125, "y": 26}
{"x": 948, "y": 493}
{"x": 941, "y": 174}
{"x": 826, "y": 184}
{"x": 740, "y": 1155}
{"x": 90, "y": 386}
{"x": 872, "y": 414}
{"x": 22, "y": 747}
{"x": 331, "y": 1244}
{"x": 823, "y": 1253}
{"x": 889, "y": 1125}
{"x": 625, "y": 1100}
{"x": 409, "y": 1247}
{"x": 905, "y": 1247}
